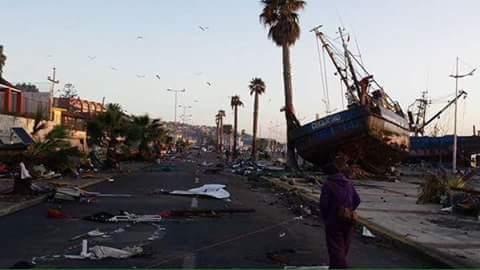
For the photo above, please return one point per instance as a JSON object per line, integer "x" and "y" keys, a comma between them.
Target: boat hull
{"x": 440, "y": 149}
{"x": 373, "y": 139}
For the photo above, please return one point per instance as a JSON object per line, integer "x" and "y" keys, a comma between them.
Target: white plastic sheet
{"x": 216, "y": 191}
{"x": 367, "y": 233}
{"x": 24, "y": 173}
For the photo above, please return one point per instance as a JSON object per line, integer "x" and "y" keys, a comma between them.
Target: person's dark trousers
{"x": 338, "y": 244}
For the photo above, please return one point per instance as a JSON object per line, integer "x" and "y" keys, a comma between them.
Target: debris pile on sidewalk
{"x": 452, "y": 192}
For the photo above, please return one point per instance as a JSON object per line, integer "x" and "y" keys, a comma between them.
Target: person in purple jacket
{"x": 337, "y": 198}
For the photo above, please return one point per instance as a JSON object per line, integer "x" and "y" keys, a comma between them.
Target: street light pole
{"x": 454, "y": 154}
{"x": 175, "y": 109}
{"x": 184, "y": 112}
{"x": 52, "y": 90}
{"x": 456, "y": 77}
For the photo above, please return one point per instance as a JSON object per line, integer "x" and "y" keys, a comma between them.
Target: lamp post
{"x": 185, "y": 108}
{"x": 456, "y": 77}
{"x": 54, "y": 81}
{"x": 175, "y": 91}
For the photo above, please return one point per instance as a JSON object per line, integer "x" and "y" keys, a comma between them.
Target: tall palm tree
{"x": 257, "y": 87}
{"x": 281, "y": 17}
{"x": 3, "y": 59}
{"x": 221, "y": 115}
{"x": 235, "y": 102}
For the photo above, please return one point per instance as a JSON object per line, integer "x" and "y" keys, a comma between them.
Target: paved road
{"x": 270, "y": 237}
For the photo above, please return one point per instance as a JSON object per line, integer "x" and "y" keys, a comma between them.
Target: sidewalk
{"x": 10, "y": 204}
{"x": 390, "y": 209}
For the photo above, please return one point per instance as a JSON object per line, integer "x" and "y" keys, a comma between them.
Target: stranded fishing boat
{"x": 373, "y": 132}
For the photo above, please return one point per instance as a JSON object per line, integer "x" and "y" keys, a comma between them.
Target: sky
{"x": 408, "y": 45}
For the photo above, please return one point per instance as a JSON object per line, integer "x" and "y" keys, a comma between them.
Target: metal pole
{"x": 52, "y": 91}
{"x": 175, "y": 110}
{"x": 454, "y": 154}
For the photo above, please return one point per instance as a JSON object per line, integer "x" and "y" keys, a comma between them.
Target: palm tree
{"x": 106, "y": 127}
{"x": 221, "y": 115}
{"x": 146, "y": 132}
{"x": 281, "y": 17}
{"x": 235, "y": 102}
{"x": 257, "y": 87}
{"x": 3, "y": 59}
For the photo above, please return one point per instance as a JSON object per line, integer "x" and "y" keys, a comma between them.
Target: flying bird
{"x": 209, "y": 83}
{"x": 203, "y": 28}
{"x": 140, "y": 76}
{"x": 113, "y": 68}
{"x": 139, "y": 37}
{"x": 158, "y": 76}
{"x": 92, "y": 57}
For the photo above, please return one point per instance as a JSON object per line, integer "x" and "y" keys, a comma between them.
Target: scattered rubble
{"x": 124, "y": 216}
{"x": 451, "y": 192}
{"x": 102, "y": 252}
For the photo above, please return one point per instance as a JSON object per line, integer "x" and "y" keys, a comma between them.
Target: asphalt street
{"x": 269, "y": 237}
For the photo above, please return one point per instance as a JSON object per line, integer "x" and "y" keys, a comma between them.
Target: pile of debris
{"x": 453, "y": 192}
{"x": 262, "y": 167}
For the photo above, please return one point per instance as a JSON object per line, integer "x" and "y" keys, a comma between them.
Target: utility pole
{"x": 53, "y": 80}
{"x": 175, "y": 109}
{"x": 184, "y": 115}
{"x": 456, "y": 77}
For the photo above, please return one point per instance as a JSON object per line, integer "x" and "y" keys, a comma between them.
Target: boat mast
{"x": 350, "y": 66}
{"x": 330, "y": 53}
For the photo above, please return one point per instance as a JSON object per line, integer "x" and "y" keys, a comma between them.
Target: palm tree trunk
{"x": 235, "y": 123}
{"x": 289, "y": 110}
{"x": 255, "y": 123}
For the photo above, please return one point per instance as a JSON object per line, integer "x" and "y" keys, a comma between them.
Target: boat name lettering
{"x": 325, "y": 122}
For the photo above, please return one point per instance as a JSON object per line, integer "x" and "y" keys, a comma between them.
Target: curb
{"x": 37, "y": 200}
{"x": 427, "y": 251}
{"x": 22, "y": 205}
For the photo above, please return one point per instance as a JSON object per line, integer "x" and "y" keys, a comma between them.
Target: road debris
{"x": 74, "y": 193}
{"x": 124, "y": 216}
{"x": 367, "y": 233}
{"x": 102, "y": 252}
{"x": 203, "y": 212}
{"x": 216, "y": 191}
{"x": 55, "y": 213}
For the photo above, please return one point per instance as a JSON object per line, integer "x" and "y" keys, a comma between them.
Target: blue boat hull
{"x": 373, "y": 139}
{"x": 440, "y": 149}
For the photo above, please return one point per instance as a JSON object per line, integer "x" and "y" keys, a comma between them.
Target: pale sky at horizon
{"x": 409, "y": 46}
